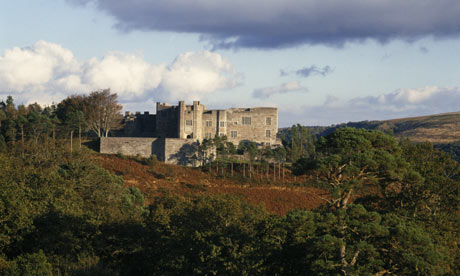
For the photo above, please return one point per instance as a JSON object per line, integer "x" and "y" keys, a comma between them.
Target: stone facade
{"x": 258, "y": 124}
{"x": 176, "y": 130}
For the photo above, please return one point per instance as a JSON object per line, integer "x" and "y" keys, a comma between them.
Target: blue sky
{"x": 320, "y": 62}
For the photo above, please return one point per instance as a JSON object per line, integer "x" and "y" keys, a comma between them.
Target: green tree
{"x": 298, "y": 142}
{"x": 351, "y": 161}
{"x": 2, "y": 117}
{"x": 35, "y": 264}
{"x": 223, "y": 241}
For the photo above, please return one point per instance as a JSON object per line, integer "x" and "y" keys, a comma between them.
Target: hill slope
{"x": 278, "y": 196}
{"x": 437, "y": 129}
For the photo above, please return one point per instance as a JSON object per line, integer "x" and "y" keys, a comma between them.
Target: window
{"x": 246, "y": 120}
{"x": 267, "y": 133}
{"x": 188, "y": 122}
{"x": 208, "y": 135}
{"x": 222, "y": 124}
{"x": 208, "y": 123}
{"x": 234, "y": 134}
{"x": 221, "y": 134}
{"x": 268, "y": 121}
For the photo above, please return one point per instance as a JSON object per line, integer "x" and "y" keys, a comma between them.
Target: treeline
{"x": 95, "y": 114}
{"x": 390, "y": 209}
{"x": 297, "y": 142}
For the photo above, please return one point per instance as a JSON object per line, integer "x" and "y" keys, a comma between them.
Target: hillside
{"x": 277, "y": 196}
{"x": 437, "y": 129}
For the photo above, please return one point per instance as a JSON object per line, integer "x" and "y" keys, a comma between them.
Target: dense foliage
{"x": 95, "y": 114}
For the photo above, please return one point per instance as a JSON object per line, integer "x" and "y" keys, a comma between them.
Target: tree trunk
{"x": 268, "y": 170}
{"x": 344, "y": 201}
{"x": 22, "y": 135}
{"x": 79, "y": 135}
{"x": 279, "y": 171}
{"x": 250, "y": 170}
{"x": 71, "y": 141}
{"x": 22, "y": 139}
{"x": 283, "y": 171}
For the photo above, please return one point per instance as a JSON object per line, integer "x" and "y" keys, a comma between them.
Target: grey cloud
{"x": 308, "y": 71}
{"x": 287, "y": 23}
{"x": 267, "y": 92}
{"x": 424, "y": 50}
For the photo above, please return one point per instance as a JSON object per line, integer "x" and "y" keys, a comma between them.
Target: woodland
{"x": 390, "y": 207}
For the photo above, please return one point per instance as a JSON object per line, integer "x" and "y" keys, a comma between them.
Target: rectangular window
{"x": 268, "y": 121}
{"x": 246, "y": 120}
{"x": 188, "y": 122}
{"x": 221, "y": 134}
{"x": 267, "y": 133}
{"x": 234, "y": 134}
{"x": 222, "y": 124}
{"x": 208, "y": 123}
{"x": 208, "y": 135}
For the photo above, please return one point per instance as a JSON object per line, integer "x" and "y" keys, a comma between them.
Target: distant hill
{"x": 437, "y": 129}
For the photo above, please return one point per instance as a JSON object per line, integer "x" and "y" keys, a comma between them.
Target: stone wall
{"x": 132, "y": 146}
{"x": 181, "y": 152}
{"x": 170, "y": 150}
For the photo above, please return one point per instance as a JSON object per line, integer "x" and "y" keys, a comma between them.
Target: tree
{"x": 224, "y": 241}
{"x": 2, "y": 117}
{"x": 75, "y": 121}
{"x": 298, "y": 142}
{"x": 102, "y": 112}
{"x": 349, "y": 160}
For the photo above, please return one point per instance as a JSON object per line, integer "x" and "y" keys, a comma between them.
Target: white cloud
{"x": 127, "y": 74}
{"x": 194, "y": 75}
{"x": 34, "y": 68}
{"x": 47, "y": 72}
{"x": 266, "y": 92}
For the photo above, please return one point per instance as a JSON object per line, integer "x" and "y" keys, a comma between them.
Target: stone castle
{"x": 173, "y": 132}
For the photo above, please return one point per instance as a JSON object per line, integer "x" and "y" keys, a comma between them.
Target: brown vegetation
{"x": 278, "y": 196}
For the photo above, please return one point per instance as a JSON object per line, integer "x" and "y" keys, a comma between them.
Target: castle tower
{"x": 181, "y": 120}
{"x": 198, "y": 120}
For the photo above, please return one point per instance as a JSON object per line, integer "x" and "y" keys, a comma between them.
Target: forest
{"x": 391, "y": 207}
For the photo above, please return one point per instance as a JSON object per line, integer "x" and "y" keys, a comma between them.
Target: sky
{"x": 321, "y": 62}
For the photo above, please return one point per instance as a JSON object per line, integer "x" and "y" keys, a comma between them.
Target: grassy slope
{"x": 437, "y": 129}
{"x": 154, "y": 180}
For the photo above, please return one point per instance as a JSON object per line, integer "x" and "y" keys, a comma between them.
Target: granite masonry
{"x": 174, "y": 133}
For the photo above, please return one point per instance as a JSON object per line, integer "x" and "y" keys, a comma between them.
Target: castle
{"x": 177, "y": 129}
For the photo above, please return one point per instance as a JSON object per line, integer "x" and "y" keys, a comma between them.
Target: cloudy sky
{"x": 320, "y": 62}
